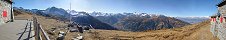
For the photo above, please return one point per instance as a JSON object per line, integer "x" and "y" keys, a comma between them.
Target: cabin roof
{"x": 221, "y": 3}
{"x": 9, "y": 1}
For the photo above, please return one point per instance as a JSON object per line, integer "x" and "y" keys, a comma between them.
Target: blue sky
{"x": 166, "y": 7}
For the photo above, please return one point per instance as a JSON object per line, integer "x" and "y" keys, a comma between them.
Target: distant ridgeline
{"x": 112, "y": 21}
{"x": 193, "y": 20}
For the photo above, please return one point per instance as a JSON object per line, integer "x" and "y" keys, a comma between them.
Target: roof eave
{"x": 9, "y": 1}
{"x": 221, "y": 4}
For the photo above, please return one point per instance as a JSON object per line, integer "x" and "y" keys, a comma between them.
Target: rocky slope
{"x": 148, "y": 22}
{"x": 87, "y": 20}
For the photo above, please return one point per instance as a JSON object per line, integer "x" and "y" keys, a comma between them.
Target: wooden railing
{"x": 40, "y": 34}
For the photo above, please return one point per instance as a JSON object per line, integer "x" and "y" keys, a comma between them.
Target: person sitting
{"x": 80, "y": 29}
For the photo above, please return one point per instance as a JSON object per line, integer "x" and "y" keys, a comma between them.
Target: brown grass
{"x": 199, "y": 31}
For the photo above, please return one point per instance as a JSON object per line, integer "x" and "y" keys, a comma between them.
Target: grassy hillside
{"x": 199, "y": 31}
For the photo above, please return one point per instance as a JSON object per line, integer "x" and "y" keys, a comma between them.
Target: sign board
{"x": 4, "y": 13}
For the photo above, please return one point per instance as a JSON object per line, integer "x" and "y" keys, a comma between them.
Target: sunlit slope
{"x": 199, "y": 31}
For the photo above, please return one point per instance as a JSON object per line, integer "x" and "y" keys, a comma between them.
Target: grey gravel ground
{"x": 16, "y": 30}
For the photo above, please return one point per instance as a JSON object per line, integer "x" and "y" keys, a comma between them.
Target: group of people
{"x": 79, "y": 28}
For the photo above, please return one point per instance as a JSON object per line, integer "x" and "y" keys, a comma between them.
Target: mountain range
{"x": 116, "y": 21}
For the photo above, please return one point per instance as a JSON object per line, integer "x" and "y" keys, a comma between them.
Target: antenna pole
{"x": 70, "y": 13}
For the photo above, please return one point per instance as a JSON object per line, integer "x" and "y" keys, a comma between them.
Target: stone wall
{"x": 218, "y": 29}
{"x": 5, "y": 6}
{"x": 222, "y": 10}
